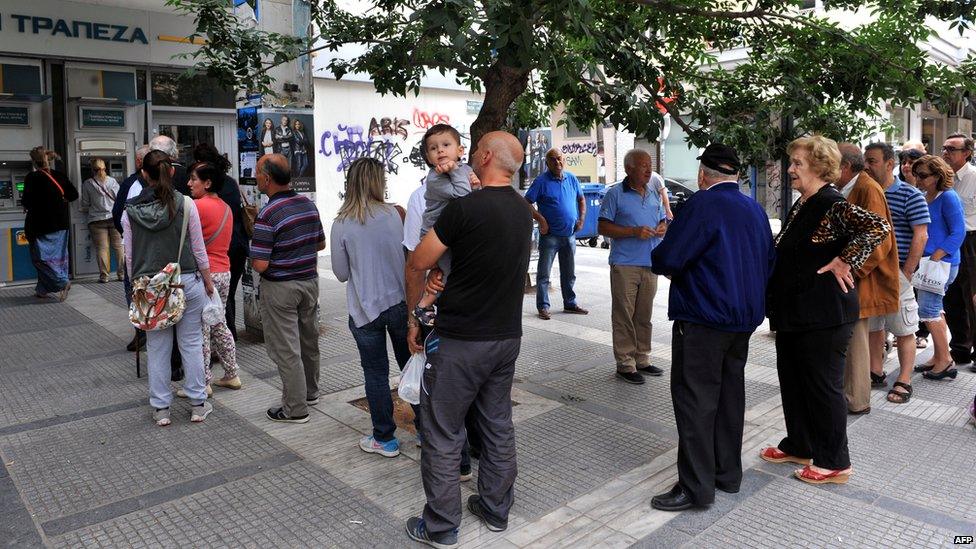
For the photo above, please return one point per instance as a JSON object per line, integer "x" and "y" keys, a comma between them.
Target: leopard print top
{"x": 865, "y": 230}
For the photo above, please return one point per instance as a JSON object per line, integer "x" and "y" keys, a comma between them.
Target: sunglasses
{"x": 954, "y": 149}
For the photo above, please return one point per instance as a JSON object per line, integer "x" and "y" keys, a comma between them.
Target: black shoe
{"x": 138, "y": 341}
{"x": 466, "y": 473}
{"x": 674, "y": 500}
{"x": 474, "y": 505}
{"x": 727, "y": 489}
{"x": 631, "y": 377}
{"x": 278, "y": 414}
{"x": 650, "y": 370}
{"x": 417, "y": 530}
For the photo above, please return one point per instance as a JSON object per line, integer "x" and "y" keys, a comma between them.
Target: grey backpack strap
{"x": 186, "y": 220}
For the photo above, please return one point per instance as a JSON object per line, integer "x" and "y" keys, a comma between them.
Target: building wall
{"x": 352, "y": 121}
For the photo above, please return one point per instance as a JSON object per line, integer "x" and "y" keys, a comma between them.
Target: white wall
{"x": 344, "y": 116}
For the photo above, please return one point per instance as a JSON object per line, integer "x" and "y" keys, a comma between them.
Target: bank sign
{"x": 71, "y": 28}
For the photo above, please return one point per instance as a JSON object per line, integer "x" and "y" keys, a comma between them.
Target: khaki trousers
{"x": 102, "y": 233}
{"x": 857, "y": 369}
{"x": 632, "y": 292}
{"x": 291, "y": 335}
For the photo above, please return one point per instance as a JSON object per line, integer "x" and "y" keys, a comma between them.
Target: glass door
{"x": 190, "y": 130}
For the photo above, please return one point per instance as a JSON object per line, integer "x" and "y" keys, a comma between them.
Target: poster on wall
{"x": 535, "y": 143}
{"x": 290, "y": 132}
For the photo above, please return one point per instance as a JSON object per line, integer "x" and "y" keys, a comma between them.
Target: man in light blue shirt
{"x": 561, "y": 211}
{"x": 633, "y": 216}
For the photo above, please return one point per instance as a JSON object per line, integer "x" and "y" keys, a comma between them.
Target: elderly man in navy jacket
{"x": 719, "y": 254}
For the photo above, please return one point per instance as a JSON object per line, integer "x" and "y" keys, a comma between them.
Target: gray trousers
{"x": 462, "y": 375}
{"x": 291, "y": 335}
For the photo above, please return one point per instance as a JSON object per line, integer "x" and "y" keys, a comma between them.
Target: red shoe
{"x": 773, "y": 454}
{"x": 838, "y": 476}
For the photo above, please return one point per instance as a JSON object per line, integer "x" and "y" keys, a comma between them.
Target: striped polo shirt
{"x": 287, "y": 234}
{"x": 908, "y": 208}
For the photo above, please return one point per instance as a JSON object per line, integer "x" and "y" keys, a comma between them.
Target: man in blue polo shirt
{"x": 560, "y": 214}
{"x": 633, "y": 216}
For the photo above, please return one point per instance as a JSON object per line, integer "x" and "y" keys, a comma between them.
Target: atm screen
{"x": 6, "y": 190}
{"x": 20, "y": 187}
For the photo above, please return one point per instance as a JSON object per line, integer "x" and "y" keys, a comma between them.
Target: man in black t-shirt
{"x": 471, "y": 354}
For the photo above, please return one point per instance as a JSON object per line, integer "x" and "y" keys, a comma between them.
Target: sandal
{"x": 905, "y": 397}
{"x": 921, "y": 343}
{"x": 879, "y": 380}
{"x": 928, "y": 367}
{"x": 835, "y": 476}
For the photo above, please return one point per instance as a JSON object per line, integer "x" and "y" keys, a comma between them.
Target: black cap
{"x": 717, "y": 155}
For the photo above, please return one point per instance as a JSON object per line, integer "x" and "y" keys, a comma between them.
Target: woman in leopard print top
{"x": 812, "y": 304}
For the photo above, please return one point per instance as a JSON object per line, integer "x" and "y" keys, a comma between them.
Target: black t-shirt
{"x": 489, "y": 233}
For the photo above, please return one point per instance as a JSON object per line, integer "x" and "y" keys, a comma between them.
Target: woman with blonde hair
{"x": 47, "y": 193}
{"x": 97, "y": 199}
{"x": 812, "y": 305}
{"x": 367, "y": 254}
{"x": 934, "y": 177}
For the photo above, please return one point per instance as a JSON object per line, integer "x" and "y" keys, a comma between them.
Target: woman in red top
{"x": 218, "y": 225}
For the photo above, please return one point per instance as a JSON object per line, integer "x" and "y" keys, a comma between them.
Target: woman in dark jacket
{"x": 812, "y": 305}
{"x": 300, "y": 160}
{"x": 47, "y": 193}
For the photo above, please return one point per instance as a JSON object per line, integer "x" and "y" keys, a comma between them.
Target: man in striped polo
{"x": 284, "y": 250}
{"x": 910, "y": 219}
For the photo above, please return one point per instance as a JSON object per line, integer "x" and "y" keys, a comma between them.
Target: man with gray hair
{"x": 633, "y": 215}
{"x": 166, "y": 144}
{"x": 719, "y": 254}
{"x": 472, "y": 351}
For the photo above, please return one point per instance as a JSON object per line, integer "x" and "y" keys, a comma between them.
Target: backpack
{"x": 159, "y": 302}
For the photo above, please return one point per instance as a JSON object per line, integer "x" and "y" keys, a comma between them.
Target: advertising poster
{"x": 290, "y": 132}
{"x": 536, "y": 143}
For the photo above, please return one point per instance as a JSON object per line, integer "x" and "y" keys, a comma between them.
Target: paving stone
{"x": 19, "y": 296}
{"x": 71, "y": 467}
{"x": 788, "y": 513}
{"x": 41, "y": 316}
{"x": 543, "y": 352}
{"x": 957, "y": 392}
{"x": 113, "y": 291}
{"x": 55, "y": 345}
{"x": 297, "y": 505}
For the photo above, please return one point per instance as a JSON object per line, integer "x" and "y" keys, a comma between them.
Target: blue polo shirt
{"x": 557, "y": 199}
{"x": 625, "y": 207}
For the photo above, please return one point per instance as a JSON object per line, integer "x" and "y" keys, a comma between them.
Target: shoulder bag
{"x": 159, "y": 302}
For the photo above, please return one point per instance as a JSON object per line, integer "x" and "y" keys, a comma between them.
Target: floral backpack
{"x": 159, "y": 302}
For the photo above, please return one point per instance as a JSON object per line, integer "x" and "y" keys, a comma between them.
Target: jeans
{"x": 299, "y": 163}
{"x": 549, "y": 246}
{"x": 930, "y": 304}
{"x": 371, "y": 341}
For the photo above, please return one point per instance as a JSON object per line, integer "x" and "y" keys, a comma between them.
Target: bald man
{"x": 472, "y": 351}
{"x": 284, "y": 250}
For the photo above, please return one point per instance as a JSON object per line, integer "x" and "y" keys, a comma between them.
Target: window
{"x": 169, "y": 90}
{"x": 574, "y": 132}
{"x": 84, "y": 82}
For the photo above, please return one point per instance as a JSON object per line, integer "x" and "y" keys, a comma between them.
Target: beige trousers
{"x": 632, "y": 292}
{"x": 102, "y": 233}
{"x": 291, "y": 335}
{"x": 857, "y": 370}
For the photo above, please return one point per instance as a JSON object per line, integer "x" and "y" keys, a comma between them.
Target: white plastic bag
{"x": 931, "y": 276}
{"x": 213, "y": 311}
{"x": 411, "y": 378}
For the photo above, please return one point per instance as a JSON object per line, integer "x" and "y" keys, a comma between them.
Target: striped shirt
{"x": 287, "y": 234}
{"x": 908, "y": 208}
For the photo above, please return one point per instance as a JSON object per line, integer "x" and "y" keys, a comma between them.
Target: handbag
{"x": 931, "y": 276}
{"x": 250, "y": 213}
{"x": 159, "y": 302}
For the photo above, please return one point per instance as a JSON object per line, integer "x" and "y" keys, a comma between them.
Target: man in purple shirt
{"x": 287, "y": 238}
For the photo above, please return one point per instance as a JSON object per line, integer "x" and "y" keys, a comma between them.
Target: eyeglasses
{"x": 954, "y": 149}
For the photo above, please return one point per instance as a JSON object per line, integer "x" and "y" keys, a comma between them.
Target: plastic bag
{"x": 411, "y": 378}
{"x": 931, "y": 276}
{"x": 213, "y": 311}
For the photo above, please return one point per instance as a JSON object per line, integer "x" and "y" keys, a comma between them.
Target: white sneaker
{"x": 200, "y": 413}
{"x": 161, "y": 416}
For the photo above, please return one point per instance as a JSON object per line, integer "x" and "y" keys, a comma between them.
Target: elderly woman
{"x": 812, "y": 305}
{"x": 97, "y": 199}
{"x": 933, "y": 177}
{"x": 46, "y": 196}
{"x": 368, "y": 256}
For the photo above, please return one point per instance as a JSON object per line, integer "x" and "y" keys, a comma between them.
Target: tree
{"x": 627, "y": 63}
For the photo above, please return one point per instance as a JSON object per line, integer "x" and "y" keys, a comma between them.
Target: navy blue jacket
{"x": 719, "y": 253}
{"x": 119, "y": 206}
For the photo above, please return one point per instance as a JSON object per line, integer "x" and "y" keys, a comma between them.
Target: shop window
{"x": 169, "y": 90}
{"x": 20, "y": 79}
{"x": 575, "y": 132}
{"x": 84, "y": 82}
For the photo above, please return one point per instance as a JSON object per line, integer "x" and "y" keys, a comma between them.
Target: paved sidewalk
{"x": 84, "y": 467}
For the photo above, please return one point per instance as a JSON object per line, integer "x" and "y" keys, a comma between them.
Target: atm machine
{"x": 15, "y": 261}
{"x": 119, "y": 158}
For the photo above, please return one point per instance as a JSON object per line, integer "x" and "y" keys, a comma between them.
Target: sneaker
{"x": 474, "y": 505}
{"x": 182, "y": 394}
{"x": 426, "y": 316}
{"x": 161, "y": 416}
{"x": 228, "y": 383}
{"x": 417, "y": 530}
{"x": 631, "y": 377}
{"x": 466, "y": 473}
{"x": 103, "y": 280}
{"x": 200, "y": 412}
{"x": 311, "y": 401}
{"x": 278, "y": 414}
{"x": 575, "y": 310}
{"x": 370, "y": 445}
{"x": 650, "y": 370}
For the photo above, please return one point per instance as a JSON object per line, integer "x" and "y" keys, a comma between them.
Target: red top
{"x": 212, "y": 211}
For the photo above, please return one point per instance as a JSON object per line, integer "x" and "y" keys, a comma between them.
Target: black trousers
{"x": 811, "y": 381}
{"x": 958, "y": 304}
{"x": 237, "y": 259}
{"x": 708, "y": 391}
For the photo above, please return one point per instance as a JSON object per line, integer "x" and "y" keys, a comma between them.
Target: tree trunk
{"x": 502, "y": 86}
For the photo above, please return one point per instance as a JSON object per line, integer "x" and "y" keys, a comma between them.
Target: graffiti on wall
{"x": 349, "y": 143}
{"x": 424, "y": 120}
{"x": 394, "y": 127}
{"x": 579, "y": 148}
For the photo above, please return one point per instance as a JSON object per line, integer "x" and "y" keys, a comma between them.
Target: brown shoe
{"x": 575, "y": 310}
{"x": 544, "y": 314}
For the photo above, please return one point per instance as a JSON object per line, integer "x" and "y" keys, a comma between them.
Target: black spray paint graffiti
{"x": 578, "y": 148}
{"x": 348, "y": 144}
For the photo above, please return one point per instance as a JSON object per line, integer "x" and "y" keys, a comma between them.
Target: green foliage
{"x": 614, "y": 61}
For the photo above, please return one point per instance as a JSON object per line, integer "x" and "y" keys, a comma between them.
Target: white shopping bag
{"x": 213, "y": 310}
{"x": 931, "y": 276}
{"x": 411, "y": 378}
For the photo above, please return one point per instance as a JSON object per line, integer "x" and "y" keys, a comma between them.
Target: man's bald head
{"x": 273, "y": 171}
{"x": 914, "y": 145}
{"x": 555, "y": 162}
{"x": 851, "y": 155}
{"x": 498, "y": 158}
